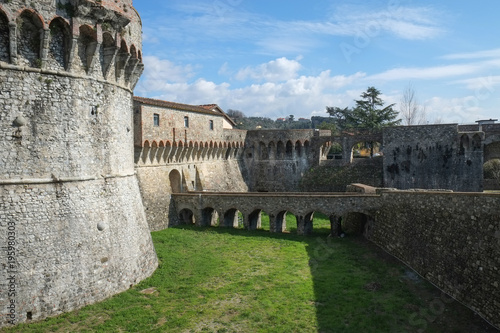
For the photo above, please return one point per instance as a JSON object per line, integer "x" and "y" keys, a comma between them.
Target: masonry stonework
{"x": 451, "y": 239}
{"x": 71, "y": 215}
{"x": 433, "y": 157}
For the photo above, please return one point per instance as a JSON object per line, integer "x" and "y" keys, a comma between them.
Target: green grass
{"x": 231, "y": 280}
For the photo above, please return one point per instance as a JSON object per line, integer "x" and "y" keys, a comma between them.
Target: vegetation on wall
{"x": 367, "y": 171}
{"x": 491, "y": 169}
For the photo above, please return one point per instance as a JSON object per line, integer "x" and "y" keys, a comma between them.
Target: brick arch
{"x": 123, "y": 46}
{"x": 87, "y": 44}
{"x": 139, "y": 55}
{"x": 8, "y": 14}
{"x": 107, "y": 53}
{"x": 146, "y": 144}
{"x": 32, "y": 12}
{"x": 122, "y": 58}
{"x": 4, "y": 36}
{"x": 60, "y": 44}
{"x": 29, "y": 31}
{"x": 133, "y": 51}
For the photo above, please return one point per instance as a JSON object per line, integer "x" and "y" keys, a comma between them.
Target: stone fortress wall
{"x": 72, "y": 224}
{"x": 449, "y": 238}
{"x": 71, "y": 212}
{"x": 433, "y": 157}
{"x": 174, "y": 156}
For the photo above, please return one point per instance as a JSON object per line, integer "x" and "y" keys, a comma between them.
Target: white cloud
{"x": 159, "y": 72}
{"x": 460, "y": 110}
{"x": 495, "y": 53}
{"x": 436, "y": 72}
{"x": 484, "y": 83}
{"x": 288, "y": 94}
{"x": 281, "y": 69}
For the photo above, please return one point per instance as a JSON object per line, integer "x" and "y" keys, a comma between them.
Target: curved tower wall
{"x": 72, "y": 225}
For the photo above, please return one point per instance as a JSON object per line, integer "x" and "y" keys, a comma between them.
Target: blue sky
{"x": 275, "y": 58}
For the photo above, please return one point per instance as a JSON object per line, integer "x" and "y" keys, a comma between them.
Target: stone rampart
{"x": 451, "y": 239}
{"x": 158, "y": 183}
{"x": 276, "y": 160}
{"x": 66, "y": 245}
{"x": 71, "y": 214}
{"x": 433, "y": 157}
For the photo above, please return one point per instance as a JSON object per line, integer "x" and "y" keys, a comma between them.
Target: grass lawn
{"x": 231, "y": 280}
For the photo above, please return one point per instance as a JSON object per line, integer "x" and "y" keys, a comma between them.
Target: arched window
{"x": 106, "y": 54}
{"x": 29, "y": 27}
{"x": 4, "y": 38}
{"x": 87, "y": 43}
{"x": 59, "y": 45}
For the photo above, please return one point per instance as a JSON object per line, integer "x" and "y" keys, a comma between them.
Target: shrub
{"x": 491, "y": 169}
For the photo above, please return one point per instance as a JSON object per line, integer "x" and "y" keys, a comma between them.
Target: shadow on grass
{"x": 360, "y": 288}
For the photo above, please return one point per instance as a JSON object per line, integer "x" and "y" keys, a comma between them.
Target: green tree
{"x": 371, "y": 114}
{"x": 328, "y": 126}
{"x": 342, "y": 117}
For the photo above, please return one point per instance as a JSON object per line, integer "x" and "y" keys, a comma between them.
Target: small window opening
{"x": 211, "y": 125}
{"x": 156, "y": 119}
{"x": 186, "y": 122}
{"x": 29, "y": 315}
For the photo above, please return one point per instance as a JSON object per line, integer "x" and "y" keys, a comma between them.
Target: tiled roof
{"x": 176, "y": 106}
{"x": 209, "y": 106}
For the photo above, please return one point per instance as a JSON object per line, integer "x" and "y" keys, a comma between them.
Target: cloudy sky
{"x": 276, "y": 58}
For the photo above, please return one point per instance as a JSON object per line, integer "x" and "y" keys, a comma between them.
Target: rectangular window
{"x": 211, "y": 124}
{"x": 156, "y": 119}
{"x": 186, "y": 122}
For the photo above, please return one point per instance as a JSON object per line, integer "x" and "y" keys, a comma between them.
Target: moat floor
{"x": 220, "y": 280}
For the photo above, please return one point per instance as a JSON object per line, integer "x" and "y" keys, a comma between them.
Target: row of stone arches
{"x": 355, "y": 223}
{"x": 26, "y": 40}
{"x": 282, "y": 150}
{"x": 165, "y": 152}
{"x": 347, "y": 152}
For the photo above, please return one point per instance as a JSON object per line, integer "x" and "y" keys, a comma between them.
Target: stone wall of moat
{"x": 451, "y": 239}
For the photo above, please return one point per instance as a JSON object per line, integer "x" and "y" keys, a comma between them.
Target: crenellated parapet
{"x": 82, "y": 38}
{"x": 167, "y": 152}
